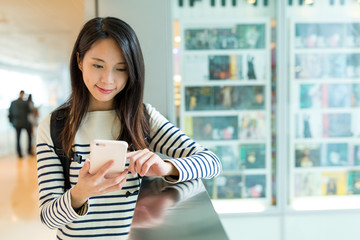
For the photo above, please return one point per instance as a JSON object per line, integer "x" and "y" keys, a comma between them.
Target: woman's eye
{"x": 97, "y": 66}
{"x": 121, "y": 69}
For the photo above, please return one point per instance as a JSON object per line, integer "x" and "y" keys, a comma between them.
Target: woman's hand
{"x": 96, "y": 184}
{"x": 147, "y": 163}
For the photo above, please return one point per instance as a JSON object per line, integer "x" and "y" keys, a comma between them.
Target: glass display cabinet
{"x": 324, "y": 114}
{"x": 226, "y": 105}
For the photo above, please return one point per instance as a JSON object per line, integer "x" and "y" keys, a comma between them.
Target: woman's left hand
{"x": 146, "y": 163}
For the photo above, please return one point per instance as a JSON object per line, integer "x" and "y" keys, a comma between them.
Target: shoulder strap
{"x": 57, "y": 123}
{"x": 147, "y": 116}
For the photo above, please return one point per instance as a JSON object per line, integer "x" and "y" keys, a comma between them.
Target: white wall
{"x": 335, "y": 225}
{"x": 151, "y": 21}
{"x": 329, "y": 226}
{"x": 252, "y": 227}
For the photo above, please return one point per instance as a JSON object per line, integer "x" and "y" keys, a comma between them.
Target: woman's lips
{"x": 104, "y": 90}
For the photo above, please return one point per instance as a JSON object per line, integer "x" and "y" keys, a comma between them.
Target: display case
{"x": 324, "y": 114}
{"x": 226, "y": 105}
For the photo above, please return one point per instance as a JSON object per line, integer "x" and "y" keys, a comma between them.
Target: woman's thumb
{"x": 86, "y": 166}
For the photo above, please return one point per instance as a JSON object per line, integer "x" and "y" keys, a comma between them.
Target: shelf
{"x": 326, "y": 203}
{"x": 325, "y": 80}
{"x": 321, "y": 110}
{"x": 234, "y": 142}
{"x": 260, "y": 171}
{"x": 237, "y": 142}
{"x": 315, "y": 50}
{"x": 207, "y": 52}
{"x": 320, "y": 169}
{"x": 233, "y": 112}
{"x": 354, "y": 140}
{"x": 221, "y": 83}
{"x": 240, "y": 205}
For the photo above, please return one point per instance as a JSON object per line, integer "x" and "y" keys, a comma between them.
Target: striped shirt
{"x": 109, "y": 216}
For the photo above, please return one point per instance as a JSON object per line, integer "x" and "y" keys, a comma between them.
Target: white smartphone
{"x": 102, "y": 151}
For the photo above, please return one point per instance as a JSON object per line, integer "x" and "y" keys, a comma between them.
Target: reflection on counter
{"x": 177, "y": 211}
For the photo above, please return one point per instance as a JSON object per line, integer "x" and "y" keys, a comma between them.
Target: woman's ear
{"x": 78, "y": 61}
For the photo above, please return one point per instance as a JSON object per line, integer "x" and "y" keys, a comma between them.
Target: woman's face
{"x": 104, "y": 72}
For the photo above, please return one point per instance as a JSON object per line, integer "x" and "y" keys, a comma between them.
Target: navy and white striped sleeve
{"x": 192, "y": 160}
{"x": 55, "y": 205}
{"x": 187, "y": 189}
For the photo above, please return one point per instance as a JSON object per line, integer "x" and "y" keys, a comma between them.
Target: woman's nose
{"x": 107, "y": 77}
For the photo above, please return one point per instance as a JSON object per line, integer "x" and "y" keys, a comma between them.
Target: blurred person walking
{"x": 18, "y": 113}
{"x": 33, "y": 115}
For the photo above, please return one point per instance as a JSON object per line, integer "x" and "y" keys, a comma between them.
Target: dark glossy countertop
{"x": 175, "y": 211}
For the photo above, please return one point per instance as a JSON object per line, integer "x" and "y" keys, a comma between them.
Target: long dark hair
{"x": 128, "y": 103}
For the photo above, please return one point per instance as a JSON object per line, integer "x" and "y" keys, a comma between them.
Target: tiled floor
{"x": 19, "y": 214}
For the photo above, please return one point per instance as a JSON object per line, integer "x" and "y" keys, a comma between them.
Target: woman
{"x": 107, "y": 79}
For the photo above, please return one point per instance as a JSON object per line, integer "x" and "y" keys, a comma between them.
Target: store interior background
{"x": 37, "y": 38}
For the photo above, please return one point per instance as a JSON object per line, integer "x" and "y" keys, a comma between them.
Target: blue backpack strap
{"x": 147, "y": 116}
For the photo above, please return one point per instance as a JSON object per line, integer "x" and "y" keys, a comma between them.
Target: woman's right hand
{"x": 96, "y": 184}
